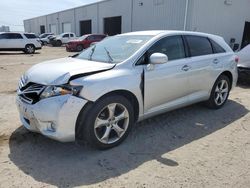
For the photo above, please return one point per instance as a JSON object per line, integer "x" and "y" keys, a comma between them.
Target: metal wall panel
{"x": 51, "y": 20}
{"x": 115, "y": 8}
{"x": 86, "y": 13}
{"x": 67, "y": 16}
{"x": 216, "y": 17}
{"x": 158, "y": 14}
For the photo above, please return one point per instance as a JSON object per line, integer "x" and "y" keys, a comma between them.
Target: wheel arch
{"x": 80, "y": 119}
{"x": 30, "y": 44}
{"x": 229, "y": 75}
{"x": 128, "y": 95}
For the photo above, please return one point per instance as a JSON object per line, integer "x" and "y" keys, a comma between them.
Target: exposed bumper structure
{"x": 53, "y": 117}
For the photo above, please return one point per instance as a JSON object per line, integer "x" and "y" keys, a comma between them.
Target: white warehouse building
{"x": 227, "y": 18}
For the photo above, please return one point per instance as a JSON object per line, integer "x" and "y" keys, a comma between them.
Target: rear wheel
{"x": 220, "y": 92}
{"x": 30, "y": 49}
{"x": 108, "y": 122}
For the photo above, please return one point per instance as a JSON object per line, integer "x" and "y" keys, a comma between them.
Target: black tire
{"x": 85, "y": 128}
{"x": 30, "y": 49}
{"x": 211, "y": 103}
{"x": 58, "y": 43}
{"x": 79, "y": 48}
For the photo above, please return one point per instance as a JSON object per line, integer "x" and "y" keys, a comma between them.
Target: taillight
{"x": 237, "y": 59}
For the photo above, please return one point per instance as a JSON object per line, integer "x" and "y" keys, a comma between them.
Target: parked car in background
{"x": 98, "y": 95}
{"x": 15, "y": 41}
{"x": 44, "y": 38}
{"x": 244, "y": 63}
{"x": 83, "y": 42}
{"x": 63, "y": 38}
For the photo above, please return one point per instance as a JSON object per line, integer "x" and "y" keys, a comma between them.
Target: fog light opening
{"x": 51, "y": 127}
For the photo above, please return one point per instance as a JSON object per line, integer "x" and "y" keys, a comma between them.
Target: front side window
{"x": 115, "y": 49}
{"x": 199, "y": 46}
{"x": 171, "y": 46}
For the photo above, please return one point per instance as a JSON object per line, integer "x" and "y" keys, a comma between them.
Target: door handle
{"x": 186, "y": 68}
{"x": 216, "y": 61}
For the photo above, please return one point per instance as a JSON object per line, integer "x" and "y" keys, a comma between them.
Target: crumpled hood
{"x": 59, "y": 71}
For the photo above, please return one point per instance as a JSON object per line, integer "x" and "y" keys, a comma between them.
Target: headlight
{"x": 52, "y": 91}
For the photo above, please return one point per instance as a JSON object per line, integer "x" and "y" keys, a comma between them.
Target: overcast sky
{"x": 13, "y": 12}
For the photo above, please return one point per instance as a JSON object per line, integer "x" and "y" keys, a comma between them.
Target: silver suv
{"x": 98, "y": 95}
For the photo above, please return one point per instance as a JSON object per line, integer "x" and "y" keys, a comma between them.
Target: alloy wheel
{"x": 111, "y": 123}
{"x": 221, "y": 92}
{"x": 30, "y": 49}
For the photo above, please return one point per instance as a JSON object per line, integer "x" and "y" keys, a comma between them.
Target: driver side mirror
{"x": 158, "y": 58}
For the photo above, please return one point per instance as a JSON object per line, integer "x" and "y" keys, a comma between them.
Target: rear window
{"x": 217, "y": 48}
{"x": 30, "y": 36}
{"x": 199, "y": 46}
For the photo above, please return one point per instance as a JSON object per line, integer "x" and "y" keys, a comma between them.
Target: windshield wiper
{"x": 108, "y": 53}
{"x": 92, "y": 52}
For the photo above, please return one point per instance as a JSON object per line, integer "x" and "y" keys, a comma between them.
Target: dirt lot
{"x": 190, "y": 147}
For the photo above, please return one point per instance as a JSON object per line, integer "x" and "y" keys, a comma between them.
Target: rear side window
{"x": 30, "y": 36}
{"x": 171, "y": 46}
{"x": 71, "y": 35}
{"x": 217, "y": 48}
{"x": 199, "y": 46}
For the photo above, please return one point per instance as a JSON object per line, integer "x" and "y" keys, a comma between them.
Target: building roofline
{"x": 86, "y": 5}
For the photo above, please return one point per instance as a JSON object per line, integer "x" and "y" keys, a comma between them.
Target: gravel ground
{"x": 189, "y": 147}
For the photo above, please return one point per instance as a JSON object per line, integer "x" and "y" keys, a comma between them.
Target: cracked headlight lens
{"x": 51, "y": 91}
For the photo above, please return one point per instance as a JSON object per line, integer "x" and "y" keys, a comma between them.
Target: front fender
{"x": 97, "y": 85}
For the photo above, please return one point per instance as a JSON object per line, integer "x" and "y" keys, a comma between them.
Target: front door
{"x": 166, "y": 85}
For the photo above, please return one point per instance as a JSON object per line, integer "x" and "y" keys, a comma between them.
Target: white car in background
{"x": 244, "y": 63}
{"x": 45, "y": 37}
{"x": 63, "y": 38}
{"x": 14, "y": 41}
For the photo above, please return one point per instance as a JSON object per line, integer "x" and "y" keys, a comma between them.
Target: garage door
{"x": 66, "y": 27}
{"x": 113, "y": 25}
{"x": 85, "y": 27}
{"x": 52, "y": 28}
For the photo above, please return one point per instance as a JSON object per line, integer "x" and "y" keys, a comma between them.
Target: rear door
{"x": 166, "y": 85}
{"x": 15, "y": 41}
{"x": 202, "y": 66}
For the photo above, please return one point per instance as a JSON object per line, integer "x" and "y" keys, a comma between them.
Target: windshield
{"x": 114, "y": 49}
{"x": 83, "y": 37}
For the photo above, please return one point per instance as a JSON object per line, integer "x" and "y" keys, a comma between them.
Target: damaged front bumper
{"x": 53, "y": 117}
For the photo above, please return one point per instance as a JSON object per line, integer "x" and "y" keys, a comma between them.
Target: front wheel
{"x": 108, "y": 122}
{"x": 220, "y": 92}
